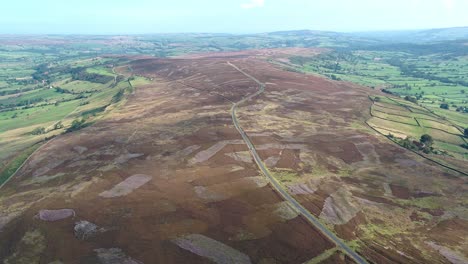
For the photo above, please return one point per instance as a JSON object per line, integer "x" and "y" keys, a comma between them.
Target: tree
{"x": 411, "y": 99}
{"x": 444, "y": 106}
{"x": 38, "y": 131}
{"x": 76, "y": 125}
{"x": 427, "y": 140}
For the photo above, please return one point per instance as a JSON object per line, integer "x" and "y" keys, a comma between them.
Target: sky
{"x": 228, "y": 16}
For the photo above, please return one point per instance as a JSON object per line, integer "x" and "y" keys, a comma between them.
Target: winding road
{"x": 277, "y": 186}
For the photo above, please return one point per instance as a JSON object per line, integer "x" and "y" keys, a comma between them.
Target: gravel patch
{"x": 127, "y": 186}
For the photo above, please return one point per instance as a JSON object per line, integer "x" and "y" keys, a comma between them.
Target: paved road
{"x": 278, "y": 187}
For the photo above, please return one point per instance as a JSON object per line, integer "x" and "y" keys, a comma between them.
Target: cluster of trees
{"x": 38, "y": 131}
{"x": 42, "y": 73}
{"x": 22, "y": 103}
{"x": 82, "y": 75}
{"x": 16, "y": 91}
{"x": 411, "y": 99}
{"x": 32, "y": 103}
{"x": 118, "y": 96}
{"x": 465, "y": 134}
{"x": 412, "y": 71}
{"x": 462, "y": 109}
{"x": 42, "y": 130}
{"x": 77, "y": 124}
{"x": 424, "y": 144}
{"x": 61, "y": 90}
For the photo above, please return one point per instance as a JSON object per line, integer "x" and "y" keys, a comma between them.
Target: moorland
{"x": 128, "y": 148}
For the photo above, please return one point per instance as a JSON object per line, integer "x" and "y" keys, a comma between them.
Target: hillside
{"x": 167, "y": 178}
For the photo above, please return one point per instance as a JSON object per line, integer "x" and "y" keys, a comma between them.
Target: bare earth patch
{"x": 452, "y": 256}
{"x": 242, "y": 156}
{"x": 285, "y": 211}
{"x": 338, "y": 209}
{"x": 127, "y": 186}
{"x": 126, "y": 157}
{"x": 55, "y": 215}
{"x": 272, "y": 161}
{"x": 205, "y": 155}
{"x": 211, "y": 249}
{"x": 301, "y": 188}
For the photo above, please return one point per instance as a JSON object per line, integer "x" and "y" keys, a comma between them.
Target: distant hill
{"x": 418, "y": 36}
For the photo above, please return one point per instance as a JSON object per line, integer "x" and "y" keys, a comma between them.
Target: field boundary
{"x": 415, "y": 152}
{"x": 25, "y": 161}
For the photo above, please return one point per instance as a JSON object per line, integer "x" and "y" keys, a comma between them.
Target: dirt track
{"x": 278, "y": 187}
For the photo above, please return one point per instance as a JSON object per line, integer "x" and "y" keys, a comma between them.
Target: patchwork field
{"x": 166, "y": 178}
{"x": 399, "y": 120}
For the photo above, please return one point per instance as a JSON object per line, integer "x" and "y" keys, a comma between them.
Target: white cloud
{"x": 448, "y": 4}
{"x": 253, "y": 4}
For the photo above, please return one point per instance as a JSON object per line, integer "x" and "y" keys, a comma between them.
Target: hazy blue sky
{"x": 231, "y": 16}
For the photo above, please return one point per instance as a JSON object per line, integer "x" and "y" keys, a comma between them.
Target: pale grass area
{"x": 207, "y": 154}
{"x": 211, "y": 249}
{"x": 127, "y": 186}
{"x": 339, "y": 208}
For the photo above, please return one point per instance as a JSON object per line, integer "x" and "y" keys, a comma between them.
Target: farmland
{"x": 425, "y": 91}
{"x": 40, "y": 96}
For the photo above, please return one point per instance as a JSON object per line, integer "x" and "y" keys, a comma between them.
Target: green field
{"x": 387, "y": 118}
{"x": 10, "y": 168}
{"x": 54, "y": 84}
{"x": 418, "y": 80}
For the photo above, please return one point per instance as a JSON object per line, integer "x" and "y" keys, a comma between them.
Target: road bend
{"x": 277, "y": 186}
